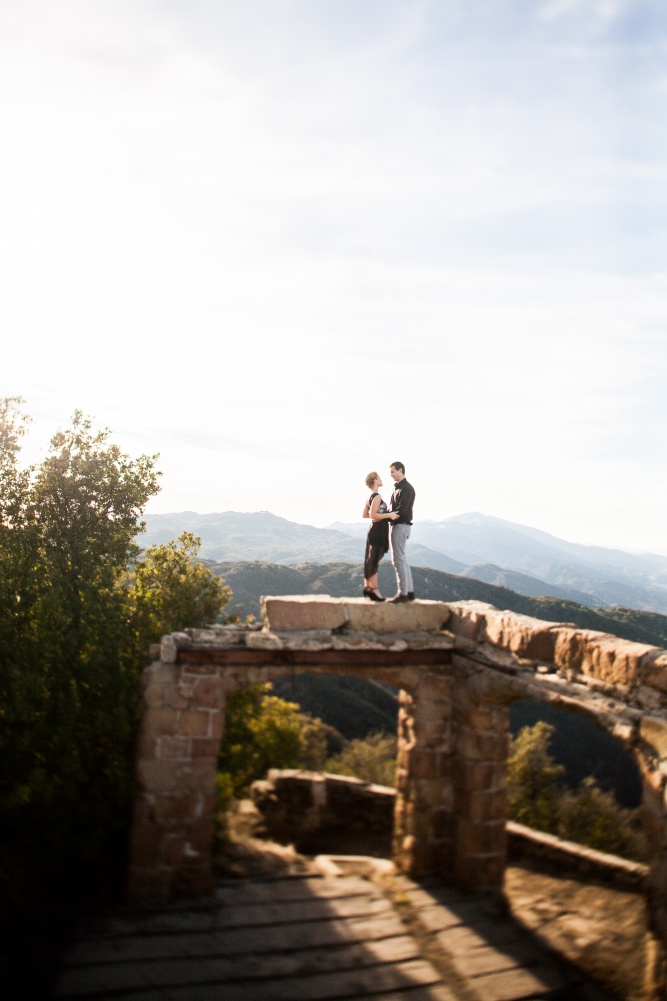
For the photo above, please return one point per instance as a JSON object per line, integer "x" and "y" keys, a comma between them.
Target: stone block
{"x": 168, "y": 650}
{"x": 177, "y": 808}
{"x": 387, "y": 618}
{"x": 474, "y": 775}
{"x": 172, "y": 850}
{"x": 653, "y": 729}
{"x": 205, "y": 747}
{"x": 174, "y": 747}
{"x": 296, "y": 612}
{"x": 146, "y": 840}
{"x": 654, "y": 670}
{"x": 159, "y": 776}
{"x": 488, "y": 838}
{"x": 482, "y": 806}
{"x": 426, "y": 764}
{"x": 435, "y": 735}
{"x": 208, "y": 693}
{"x": 159, "y": 723}
{"x": 467, "y": 618}
{"x": 193, "y": 723}
{"x": 607, "y": 658}
{"x": 200, "y": 774}
{"x": 443, "y": 824}
{"x": 523, "y": 635}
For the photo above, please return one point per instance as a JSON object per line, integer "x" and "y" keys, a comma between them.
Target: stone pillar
{"x": 172, "y": 831}
{"x": 481, "y": 735}
{"x": 423, "y": 820}
{"x": 654, "y": 822}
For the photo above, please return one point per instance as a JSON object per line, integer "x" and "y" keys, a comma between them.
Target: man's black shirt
{"x": 402, "y": 500}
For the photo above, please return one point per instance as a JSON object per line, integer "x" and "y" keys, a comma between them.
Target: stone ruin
{"x": 458, "y": 666}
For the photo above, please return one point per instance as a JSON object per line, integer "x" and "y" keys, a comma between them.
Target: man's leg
{"x": 399, "y": 536}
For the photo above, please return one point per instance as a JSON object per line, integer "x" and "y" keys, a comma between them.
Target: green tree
{"x": 372, "y": 759}
{"x": 534, "y": 779}
{"x": 592, "y": 817}
{"x": 539, "y": 798}
{"x": 78, "y": 611}
{"x": 168, "y": 591}
{"x": 263, "y": 732}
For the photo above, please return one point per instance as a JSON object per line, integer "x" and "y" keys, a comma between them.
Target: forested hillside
{"x": 250, "y": 580}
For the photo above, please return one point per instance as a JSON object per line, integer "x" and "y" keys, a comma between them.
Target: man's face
{"x": 396, "y": 474}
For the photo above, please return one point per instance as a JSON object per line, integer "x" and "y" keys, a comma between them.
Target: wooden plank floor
{"x": 313, "y": 938}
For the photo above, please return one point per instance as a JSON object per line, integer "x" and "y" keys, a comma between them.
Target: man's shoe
{"x": 399, "y": 599}
{"x": 411, "y": 595}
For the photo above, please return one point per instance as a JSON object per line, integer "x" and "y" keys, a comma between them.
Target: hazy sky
{"x": 285, "y": 242}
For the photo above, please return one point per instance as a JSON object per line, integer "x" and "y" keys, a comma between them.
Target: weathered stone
{"x": 467, "y": 618}
{"x": 296, "y": 612}
{"x": 159, "y": 722}
{"x": 654, "y": 670}
{"x": 208, "y": 692}
{"x": 174, "y": 747}
{"x": 159, "y": 776}
{"x": 193, "y": 723}
{"x": 599, "y": 655}
{"x": 523, "y": 635}
{"x": 653, "y": 730}
{"x": 384, "y": 617}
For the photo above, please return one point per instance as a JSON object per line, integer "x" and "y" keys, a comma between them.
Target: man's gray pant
{"x": 398, "y": 538}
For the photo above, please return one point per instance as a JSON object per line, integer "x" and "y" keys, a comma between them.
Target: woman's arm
{"x": 373, "y": 513}
{"x": 367, "y": 512}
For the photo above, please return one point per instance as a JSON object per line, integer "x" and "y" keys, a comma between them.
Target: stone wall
{"x": 458, "y": 667}
{"x": 300, "y": 807}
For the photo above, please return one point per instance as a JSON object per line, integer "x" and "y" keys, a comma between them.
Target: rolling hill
{"x": 488, "y": 549}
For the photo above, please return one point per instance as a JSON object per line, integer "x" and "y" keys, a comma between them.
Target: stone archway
{"x": 457, "y": 666}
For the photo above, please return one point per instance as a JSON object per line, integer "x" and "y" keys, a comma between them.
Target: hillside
{"x": 250, "y": 580}
{"x": 489, "y": 549}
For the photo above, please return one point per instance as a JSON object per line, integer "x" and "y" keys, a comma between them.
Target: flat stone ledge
{"x": 297, "y": 613}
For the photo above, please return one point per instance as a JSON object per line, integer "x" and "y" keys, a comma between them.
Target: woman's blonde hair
{"x": 370, "y": 479}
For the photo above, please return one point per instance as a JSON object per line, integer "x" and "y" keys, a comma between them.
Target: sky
{"x": 286, "y": 242}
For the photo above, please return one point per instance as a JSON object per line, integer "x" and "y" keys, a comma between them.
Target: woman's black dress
{"x": 377, "y": 540}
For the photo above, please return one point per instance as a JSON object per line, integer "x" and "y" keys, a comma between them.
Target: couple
{"x": 399, "y": 516}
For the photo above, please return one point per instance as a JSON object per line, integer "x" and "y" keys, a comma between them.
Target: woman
{"x": 377, "y": 540}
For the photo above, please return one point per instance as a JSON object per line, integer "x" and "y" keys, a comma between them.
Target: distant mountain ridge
{"x": 474, "y": 545}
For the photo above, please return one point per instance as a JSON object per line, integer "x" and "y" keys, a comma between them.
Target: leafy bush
{"x": 372, "y": 759}
{"x": 263, "y": 732}
{"x": 78, "y": 612}
{"x": 538, "y": 798}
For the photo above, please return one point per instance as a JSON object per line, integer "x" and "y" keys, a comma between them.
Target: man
{"x": 402, "y": 501}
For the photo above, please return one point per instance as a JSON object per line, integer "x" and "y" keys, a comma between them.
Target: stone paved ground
{"x": 599, "y": 928}
{"x": 329, "y": 932}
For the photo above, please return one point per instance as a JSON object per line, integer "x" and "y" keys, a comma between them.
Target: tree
{"x": 169, "y": 591}
{"x": 78, "y": 611}
{"x": 539, "y": 798}
{"x": 533, "y": 779}
{"x": 263, "y": 732}
{"x": 372, "y": 759}
{"x": 592, "y": 817}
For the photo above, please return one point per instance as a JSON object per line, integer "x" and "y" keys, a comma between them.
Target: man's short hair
{"x": 370, "y": 480}
{"x": 399, "y": 466}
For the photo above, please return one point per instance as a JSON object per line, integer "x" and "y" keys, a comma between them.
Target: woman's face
{"x": 377, "y": 484}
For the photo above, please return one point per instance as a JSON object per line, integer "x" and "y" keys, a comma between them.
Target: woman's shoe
{"x": 367, "y": 592}
{"x": 374, "y": 596}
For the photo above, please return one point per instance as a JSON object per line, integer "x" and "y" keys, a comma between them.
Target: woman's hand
{"x": 393, "y": 515}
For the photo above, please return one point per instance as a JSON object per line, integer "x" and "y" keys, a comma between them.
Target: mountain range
{"x": 484, "y": 548}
